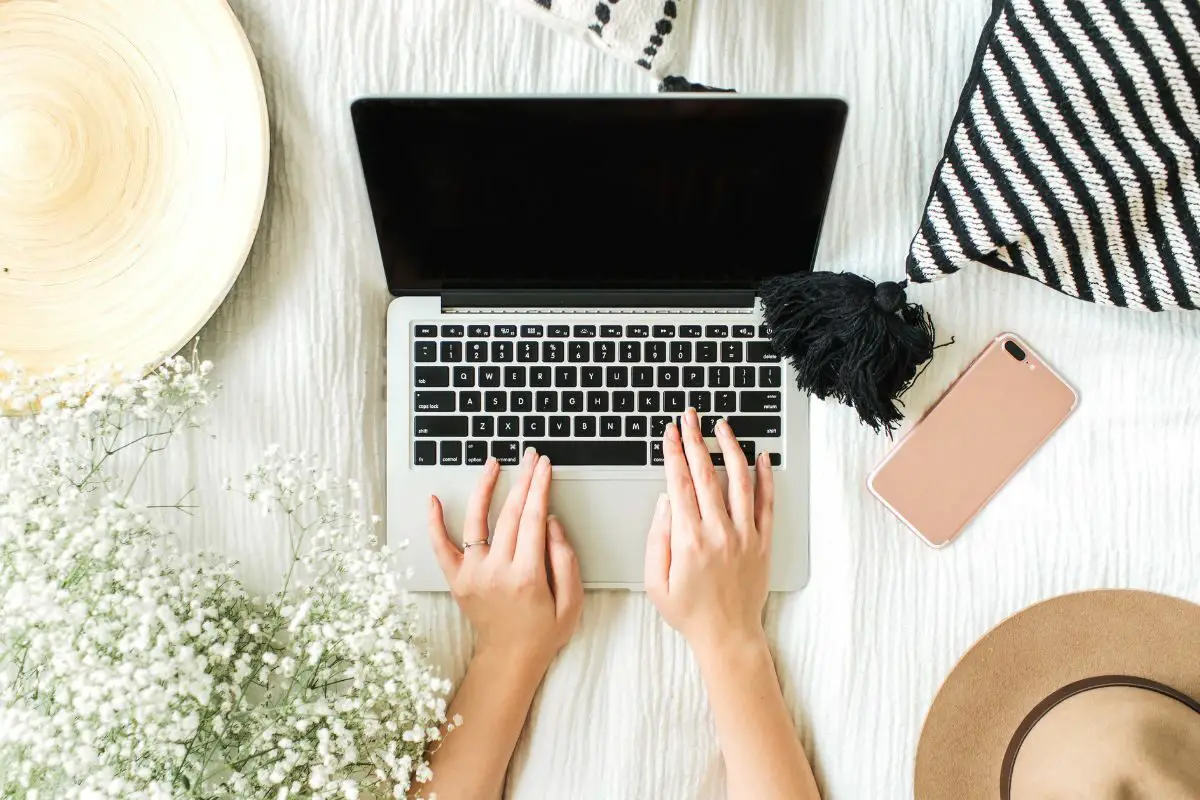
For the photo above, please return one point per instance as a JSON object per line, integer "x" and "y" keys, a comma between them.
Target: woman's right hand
{"x": 708, "y": 561}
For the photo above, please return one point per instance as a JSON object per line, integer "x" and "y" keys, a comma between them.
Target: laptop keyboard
{"x": 588, "y": 395}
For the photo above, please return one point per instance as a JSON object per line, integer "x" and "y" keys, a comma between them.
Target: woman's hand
{"x": 522, "y": 592}
{"x": 708, "y": 561}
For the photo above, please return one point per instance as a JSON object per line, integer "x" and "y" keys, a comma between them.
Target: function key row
{"x": 589, "y": 331}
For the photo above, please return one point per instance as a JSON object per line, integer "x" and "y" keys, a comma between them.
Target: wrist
{"x": 732, "y": 651}
{"x": 511, "y": 663}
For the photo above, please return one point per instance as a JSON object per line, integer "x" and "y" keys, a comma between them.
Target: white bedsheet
{"x": 1113, "y": 500}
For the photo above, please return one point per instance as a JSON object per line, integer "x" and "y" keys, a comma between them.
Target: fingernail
{"x": 689, "y": 417}
{"x": 723, "y": 428}
{"x": 672, "y": 432}
{"x": 529, "y": 454}
{"x": 432, "y": 502}
{"x": 544, "y": 462}
{"x": 763, "y": 458}
{"x": 490, "y": 464}
{"x": 660, "y": 508}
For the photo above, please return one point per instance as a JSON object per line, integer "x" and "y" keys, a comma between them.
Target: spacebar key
{"x": 583, "y": 453}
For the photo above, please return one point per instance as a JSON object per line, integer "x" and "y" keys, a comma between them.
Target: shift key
{"x": 425, "y": 427}
{"x": 755, "y": 427}
{"x": 752, "y": 402}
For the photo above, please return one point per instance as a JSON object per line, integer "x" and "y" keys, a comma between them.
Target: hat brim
{"x": 1035, "y": 653}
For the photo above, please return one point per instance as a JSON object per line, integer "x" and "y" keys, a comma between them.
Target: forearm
{"x": 493, "y": 700}
{"x": 764, "y": 759}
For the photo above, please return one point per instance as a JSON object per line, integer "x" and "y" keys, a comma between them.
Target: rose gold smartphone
{"x": 987, "y": 424}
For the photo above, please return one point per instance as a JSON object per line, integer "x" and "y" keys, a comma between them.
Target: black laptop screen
{"x": 687, "y": 192}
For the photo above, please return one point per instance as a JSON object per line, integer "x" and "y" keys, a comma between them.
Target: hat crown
{"x": 1111, "y": 743}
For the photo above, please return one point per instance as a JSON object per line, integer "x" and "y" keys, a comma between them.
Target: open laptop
{"x": 572, "y": 274}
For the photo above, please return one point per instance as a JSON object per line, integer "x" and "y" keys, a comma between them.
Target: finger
{"x": 764, "y": 498}
{"x": 685, "y": 513}
{"x": 564, "y": 572}
{"x": 737, "y": 471}
{"x": 531, "y": 532}
{"x": 475, "y": 529}
{"x": 504, "y": 540}
{"x": 658, "y": 549}
{"x": 704, "y": 478}
{"x": 449, "y": 557}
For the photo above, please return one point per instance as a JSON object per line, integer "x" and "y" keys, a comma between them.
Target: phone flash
{"x": 1032, "y": 367}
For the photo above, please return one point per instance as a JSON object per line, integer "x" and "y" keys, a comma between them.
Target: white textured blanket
{"x": 1114, "y": 500}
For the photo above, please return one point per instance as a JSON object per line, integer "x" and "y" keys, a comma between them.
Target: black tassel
{"x": 849, "y": 339}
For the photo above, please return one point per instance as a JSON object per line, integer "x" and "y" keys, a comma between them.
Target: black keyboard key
{"x": 758, "y": 352}
{"x": 502, "y": 352}
{"x": 554, "y": 352}
{"x": 610, "y": 331}
{"x": 658, "y": 426}
{"x": 770, "y": 377}
{"x": 610, "y": 427}
{"x": 623, "y": 402}
{"x": 477, "y": 453}
{"x": 478, "y": 331}
{"x": 637, "y": 331}
{"x": 431, "y": 376}
{"x": 743, "y": 331}
{"x": 649, "y": 402}
{"x": 527, "y": 352}
{"x": 656, "y": 352}
{"x": 718, "y": 459}
{"x": 664, "y": 331}
{"x": 762, "y": 402}
{"x": 521, "y": 402}
{"x": 425, "y": 352}
{"x": 424, "y": 454}
{"x": 452, "y": 331}
{"x": 572, "y": 402}
{"x": 631, "y": 351}
{"x": 546, "y": 402}
{"x": 483, "y": 427}
{"x": 708, "y": 426}
{"x": 689, "y": 331}
{"x": 597, "y": 402}
{"x": 470, "y": 402}
{"x": 701, "y": 401}
{"x": 743, "y": 377}
{"x": 533, "y": 331}
{"x": 496, "y": 402}
{"x": 636, "y": 427}
{"x": 748, "y": 449}
{"x": 452, "y": 352}
{"x": 592, "y": 377}
{"x": 668, "y": 377}
{"x": 534, "y": 426}
{"x": 540, "y": 377}
{"x": 604, "y": 352}
{"x": 566, "y": 377}
{"x": 585, "y": 428}
{"x": 641, "y": 377}
{"x": 585, "y": 332}
{"x": 514, "y": 377}
{"x": 693, "y": 377}
{"x": 439, "y": 427}
{"x": 505, "y": 331}
{"x": 616, "y": 377}
{"x": 718, "y": 377}
{"x": 706, "y": 352}
{"x": 681, "y": 352}
{"x": 464, "y": 377}
{"x": 724, "y": 402}
{"x": 489, "y": 376}
{"x": 507, "y": 453}
{"x": 763, "y": 332}
{"x": 477, "y": 352}
{"x": 593, "y": 454}
{"x": 558, "y": 331}
{"x": 732, "y": 351}
{"x": 425, "y": 331}
{"x": 716, "y": 331}
{"x": 776, "y": 459}
{"x": 579, "y": 351}
{"x": 560, "y": 427}
{"x": 756, "y": 427}
{"x": 656, "y": 453}
{"x": 508, "y": 426}
{"x": 434, "y": 403}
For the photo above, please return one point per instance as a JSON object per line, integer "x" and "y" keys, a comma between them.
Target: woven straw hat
{"x": 133, "y": 167}
{"x": 1081, "y": 696}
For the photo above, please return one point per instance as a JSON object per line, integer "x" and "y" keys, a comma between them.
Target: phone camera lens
{"x": 1014, "y": 350}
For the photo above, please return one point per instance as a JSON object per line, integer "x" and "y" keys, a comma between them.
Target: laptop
{"x": 572, "y": 274}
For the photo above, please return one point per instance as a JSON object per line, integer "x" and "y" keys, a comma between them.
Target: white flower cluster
{"x": 131, "y": 670}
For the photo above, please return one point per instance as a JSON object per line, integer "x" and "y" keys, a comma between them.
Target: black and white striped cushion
{"x": 1073, "y": 158}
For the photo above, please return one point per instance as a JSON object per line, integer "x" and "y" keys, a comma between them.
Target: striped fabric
{"x": 1073, "y": 158}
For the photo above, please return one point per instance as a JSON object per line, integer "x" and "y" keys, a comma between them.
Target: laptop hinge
{"x": 617, "y": 299}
